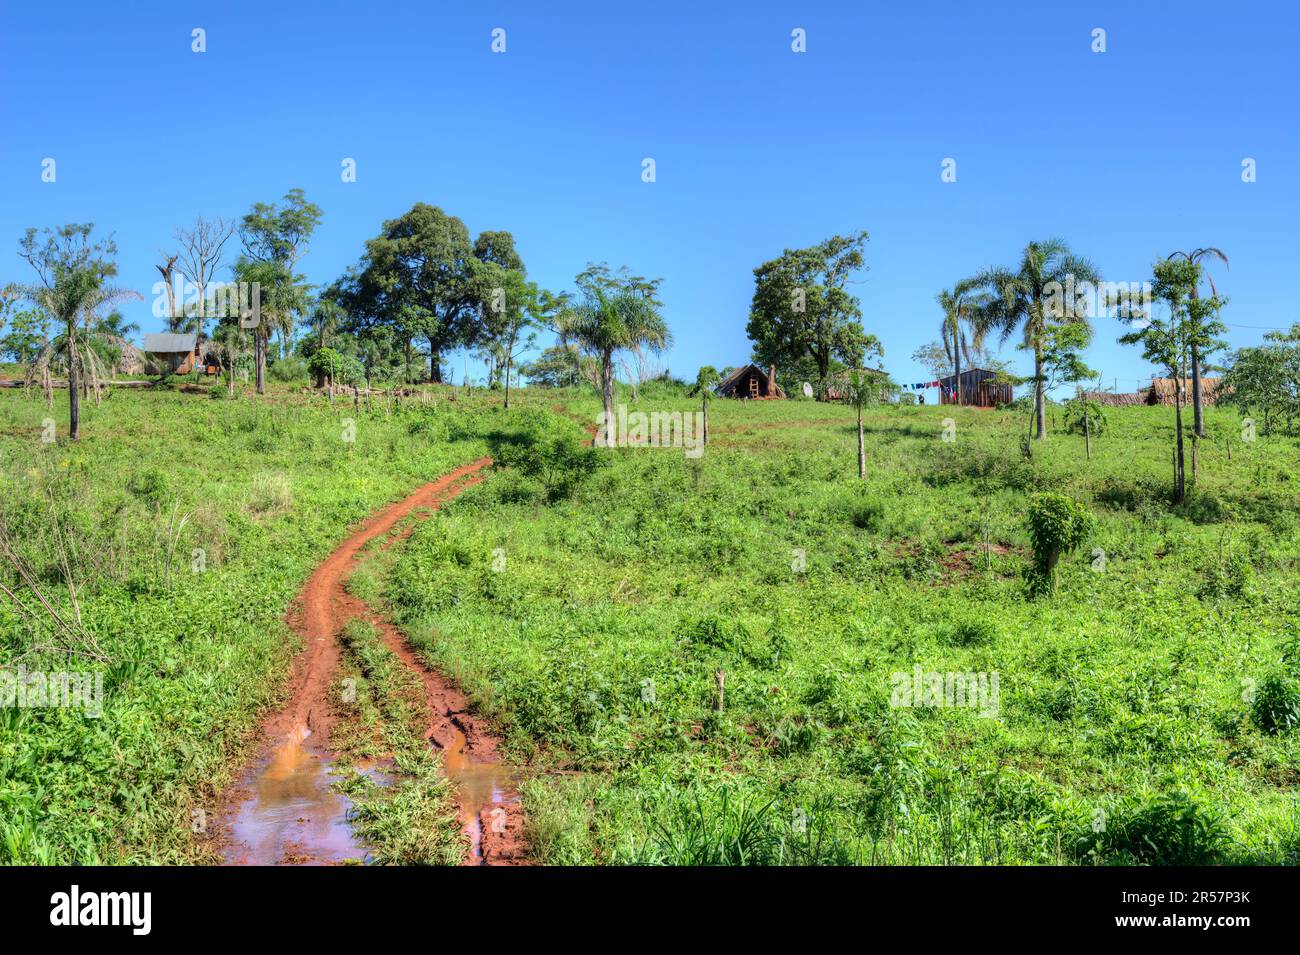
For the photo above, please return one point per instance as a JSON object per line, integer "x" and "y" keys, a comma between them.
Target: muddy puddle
{"x": 292, "y": 814}
{"x": 483, "y": 791}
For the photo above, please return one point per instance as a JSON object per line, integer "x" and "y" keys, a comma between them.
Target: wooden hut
{"x": 750, "y": 381}
{"x": 170, "y": 352}
{"x": 980, "y": 388}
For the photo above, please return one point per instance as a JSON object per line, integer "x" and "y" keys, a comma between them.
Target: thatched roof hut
{"x": 1164, "y": 391}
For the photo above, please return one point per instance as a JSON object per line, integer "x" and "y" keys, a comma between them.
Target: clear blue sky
{"x": 1128, "y": 154}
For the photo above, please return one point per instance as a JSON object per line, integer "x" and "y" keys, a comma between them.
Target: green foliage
{"x": 1057, "y": 525}
{"x": 1077, "y": 408}
{"x": 341, "y": 369}
{"x": 1277, "y": 703}
{"x": 550, "y": 453}
{"x": 1171, "y": 829}
{"x": 802, "y": 310}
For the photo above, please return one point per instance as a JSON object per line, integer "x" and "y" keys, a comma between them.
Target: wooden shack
{"x": 170, "y": 352}
{"x": 980, "y": 388}
{"x": 750, "y": 381}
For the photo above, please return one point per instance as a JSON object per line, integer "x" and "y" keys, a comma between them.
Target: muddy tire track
{"x": 292, "y": 774}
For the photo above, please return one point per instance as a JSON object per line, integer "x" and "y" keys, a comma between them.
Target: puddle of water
{"x": 480, "y": 786}
{"x": 293, "y": 814}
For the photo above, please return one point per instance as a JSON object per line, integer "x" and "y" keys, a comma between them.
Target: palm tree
{"x": 959, "y": 305}
{"x": 614, "y": 313}
{"x": 111, "y": 333}
{"x": 1025, "y": 298}
{"x": 1196, "y": 256}
{"x": 72, "y": 271}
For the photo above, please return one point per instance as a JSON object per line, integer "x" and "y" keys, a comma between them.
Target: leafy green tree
{"x": 510, "y": 310}
{"x": 802, "y": 310}
{"x": 72, "y": 272}
{"x": 111, "y": 333}
{"x": 859, "y": 389}
{"x": 612, "y": 312}
{"x": 1032, "y": 298}
{"x": 421, "y": 277}
{"x": 275, "y": 238}
{"x": 556, "y": 367}
{"x": 1265, "y": 379}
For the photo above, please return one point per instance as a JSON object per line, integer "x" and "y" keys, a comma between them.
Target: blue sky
{"x": 1128, "y": 154}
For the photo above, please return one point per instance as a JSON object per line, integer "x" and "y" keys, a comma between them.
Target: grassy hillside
{"x": 588, "y": 600}
{"x": 195, "y": 646}
{"x": 1125, "y": 728}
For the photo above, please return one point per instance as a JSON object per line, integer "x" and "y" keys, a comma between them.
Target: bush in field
{"x": 1170, "y": 829}
{"x": 553, "y": 456}
{"x": 1277, "y": 704}
{"x": 330, "y": 366}
{"x": 1057, "y": 525}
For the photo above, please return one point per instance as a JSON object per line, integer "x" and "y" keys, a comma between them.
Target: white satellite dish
{"x": 807, "y": 390}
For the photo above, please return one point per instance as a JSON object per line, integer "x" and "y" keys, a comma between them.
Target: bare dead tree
{"x": 168, "y": 270}
{"x": 202, "y": 246}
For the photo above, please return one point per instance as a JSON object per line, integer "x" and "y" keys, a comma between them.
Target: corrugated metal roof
{"x": 166, "y": 343}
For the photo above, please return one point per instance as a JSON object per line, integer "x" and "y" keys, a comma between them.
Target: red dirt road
{"x": 286, "y": 805}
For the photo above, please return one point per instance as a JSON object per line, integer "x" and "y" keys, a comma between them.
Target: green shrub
{"x": 1057, "y": 525}
{"x": 1276, "y": 708}
{"x": 1169, "y": 829}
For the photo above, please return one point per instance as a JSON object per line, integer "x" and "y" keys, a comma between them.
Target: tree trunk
{"x": 862, "y": 450}
{"x": 259, "y": 361}
{"x": 1180, "y": 483}
{"x": 1198, "y": 414}
{"x": 1040, "y": 405}
{"x": 435, "y": 366}
{"x": 507, "y": 382}
{"x": 956, "y": 354}
{"x": 607, "y": 395}
{"x": 74, "y": 395}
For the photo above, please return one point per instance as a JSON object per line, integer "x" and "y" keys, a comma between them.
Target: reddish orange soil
{"x": 488, "y": 806}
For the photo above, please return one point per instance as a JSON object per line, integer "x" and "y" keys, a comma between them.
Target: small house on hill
{"x": 1164, "y": 391}
{"x": 171, "y": 352}
{"x": 980, "y": 388}
{"x": 750, "y": 381}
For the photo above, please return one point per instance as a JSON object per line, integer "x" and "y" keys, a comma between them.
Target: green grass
{"x": 1123, "y": 734}
{"x": 409, "y": 818}
{"x": 196, "y": 652}
{"x": 1146, "y": 709}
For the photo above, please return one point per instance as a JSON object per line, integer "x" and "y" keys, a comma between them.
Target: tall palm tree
{"x": 613, "y": 314}
{"x": 960, "y": 304}
{"x": 1196, "y": 256}
{"x": 1022, "y": 299}
{"x": 72, "y": 294}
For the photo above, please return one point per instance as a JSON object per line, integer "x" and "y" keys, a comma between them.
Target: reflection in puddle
{"x": 479, "y": 786}
{"x": 293, "y": 815}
